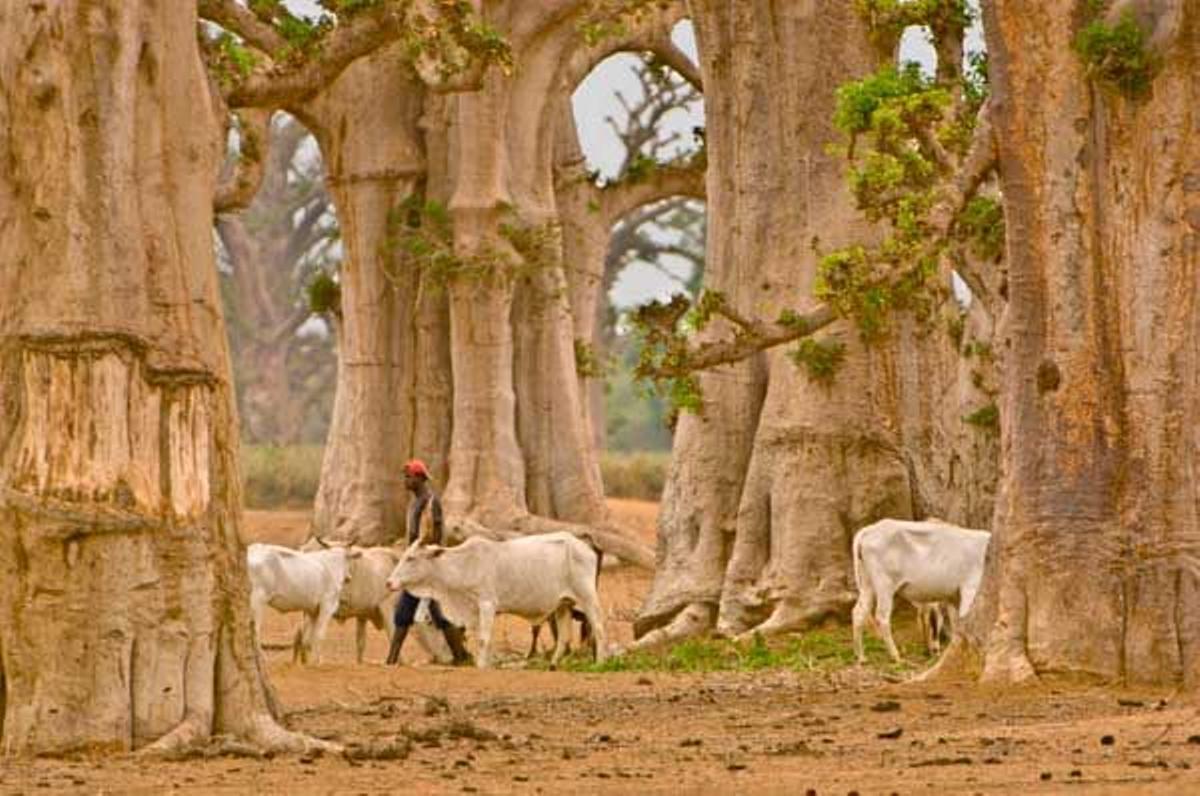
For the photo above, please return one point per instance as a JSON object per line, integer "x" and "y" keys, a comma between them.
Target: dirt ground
{"x": 424, "y": 728}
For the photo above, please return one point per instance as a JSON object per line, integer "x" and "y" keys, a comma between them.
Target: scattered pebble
{"x": 892, "y": 734}
{"x": 1107, "y": 740}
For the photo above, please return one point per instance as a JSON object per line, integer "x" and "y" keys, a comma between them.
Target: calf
{"x": 293, "y": 580}
{"x": 923, "y": 562}
{"x": 533, "y": 577}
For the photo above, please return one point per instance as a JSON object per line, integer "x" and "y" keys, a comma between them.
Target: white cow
{"x": 533, "y": 577}
{"x": 294, "y": 580}
{"x": 366, "y": 598}
{"x": 923, "y": 562}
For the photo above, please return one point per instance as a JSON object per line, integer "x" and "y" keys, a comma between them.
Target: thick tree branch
{"x": 750, "y": 337}
{"x": 288, "y": 86}
{"x": 662, "y": 182}
{"x": 239, "y": 186}
{"x": 239, "y": 19}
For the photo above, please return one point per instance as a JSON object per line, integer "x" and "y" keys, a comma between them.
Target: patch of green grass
{"x": 817, "y": 651}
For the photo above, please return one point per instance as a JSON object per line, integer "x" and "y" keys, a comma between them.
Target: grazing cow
{"x": 293, "y": 580}
{"x": 533, "y": 577}
{"x": 923, "y": 562}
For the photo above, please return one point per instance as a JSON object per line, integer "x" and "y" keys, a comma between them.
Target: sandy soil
{"x": 429, "y": 729}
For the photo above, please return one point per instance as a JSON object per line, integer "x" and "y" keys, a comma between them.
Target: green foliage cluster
{"x": 233, "y": 61}
{"x": 588, "y": 364}
{"x": 981, "y": 223}
{"x": 817, "y": 652}
{"x": 821, "y": 359}
{"x": 420, "y": 234}
{"x": 324, "y": 294}
{"x": 986, "y": 418}
{"x": 1117, "y": 55}
{"x": 662, "y": 330}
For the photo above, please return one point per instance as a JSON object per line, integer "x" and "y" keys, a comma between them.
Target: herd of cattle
{"x": 553, "y": 577}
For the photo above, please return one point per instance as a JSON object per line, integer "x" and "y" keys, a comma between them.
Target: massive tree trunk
{"x": 393, "y": 399}
{"x": 767, "y": 487}
{"x": 1098, "y": 417}
{"x": 520, "y": 441}
{"x": 122, "y": 580}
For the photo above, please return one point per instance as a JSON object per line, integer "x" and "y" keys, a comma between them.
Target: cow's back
{"x": 533, "y": 574}
{"x": 925, "y": 560}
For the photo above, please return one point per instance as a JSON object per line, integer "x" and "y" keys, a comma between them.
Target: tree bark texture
{"x": 123, "y": 592}
{"x": 1098, "y": 416}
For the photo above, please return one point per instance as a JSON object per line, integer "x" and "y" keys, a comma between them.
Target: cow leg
{"x": 318, "y": 632}
{"x": 487, "y": 615}
{"x": 858, "y": 618}
{"x": 562, "y": 618}
{"x": 534, "y": 632}
{"x": 360, "y": 638}
{"x": 298, "y": 654}
{"x": 590, "y": 607}
{"x": 883, "y": 620}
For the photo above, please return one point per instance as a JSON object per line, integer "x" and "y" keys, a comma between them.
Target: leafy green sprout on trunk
{"x": 1117, "y": 55}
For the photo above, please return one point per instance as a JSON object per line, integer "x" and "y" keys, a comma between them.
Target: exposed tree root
{"x": 693, "y": 620}
{"x": 263, "y": 737}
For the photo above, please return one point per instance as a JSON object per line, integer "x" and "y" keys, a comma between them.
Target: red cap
{"x": 417, "y": 467}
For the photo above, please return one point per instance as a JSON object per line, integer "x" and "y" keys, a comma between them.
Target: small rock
{"x": 1194, "y": 739}
{"x": 1076, "y": 773}
{"x": 1131, "y": 703}
{"x": 691, "y": 742}
{"x": 644, "y": 681}
{"x": 1046, "y": 776}
{"x": 1107, "y": 740}
{"x": 520, "y": 778}
{"x": 891, "y": 734}
{"x": 736, "y": 766}
{"x": 886, "y": 706}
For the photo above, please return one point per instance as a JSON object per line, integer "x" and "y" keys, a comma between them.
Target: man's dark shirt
{"x": 417, "y": 508}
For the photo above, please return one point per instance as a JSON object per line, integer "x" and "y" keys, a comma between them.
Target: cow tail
{"x": 856, "y": 552}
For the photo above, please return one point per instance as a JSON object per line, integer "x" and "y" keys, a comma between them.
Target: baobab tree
{"x": 777, "y": 465}
{"x": 119, "y": 484}
{"x": 1096, "y": 127}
